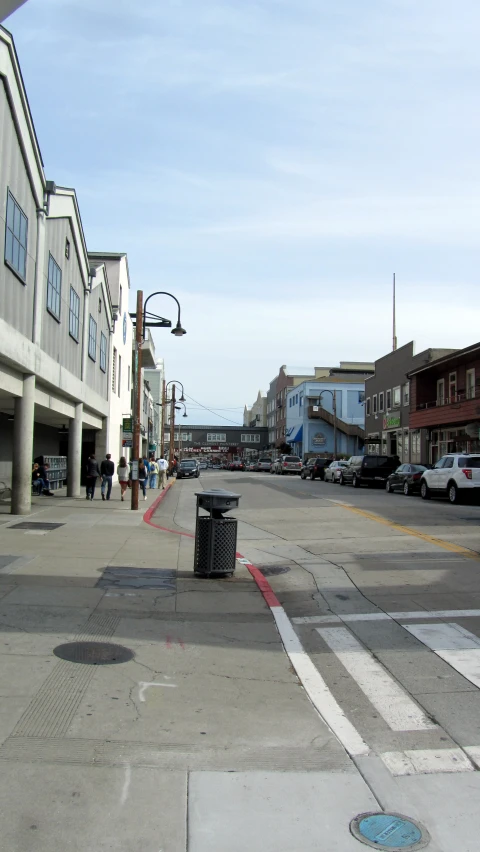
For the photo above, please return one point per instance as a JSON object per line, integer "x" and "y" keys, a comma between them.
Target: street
{"x": 245, "y": 716}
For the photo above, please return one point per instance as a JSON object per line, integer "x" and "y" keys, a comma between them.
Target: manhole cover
{"x": 137, "y": 578}
{"x": 273, "y": 570}
{"x": 93, "y": 653}
{"x": 392, "y": 832}
{"x": 35, "y": 525}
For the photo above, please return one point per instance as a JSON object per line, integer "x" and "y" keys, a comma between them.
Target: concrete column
{"x": 39, "y": 287}
{"x": 23, "y": 448}
{"x": 75, "y": 452}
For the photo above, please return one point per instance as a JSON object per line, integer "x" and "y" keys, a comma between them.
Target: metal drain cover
{"x": 93, "y": 653}
{"x": 389, "y": 831}
{"x": 34, "y": 525}
{"x": 273, "y": 570}
{"x": 137, "y": 578}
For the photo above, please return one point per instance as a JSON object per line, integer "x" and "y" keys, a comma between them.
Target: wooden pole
{"x": 137, "y": 408}
{"x": 172, "y": 427}
{"x": 162, "y": 438}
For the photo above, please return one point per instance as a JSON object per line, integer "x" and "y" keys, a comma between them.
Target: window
{"x": 396, "y": 397}
{"x": 296, "y": 399}
{"x": 452, "y": 387}
{"x": 375, "y": 403}
{"x": 216, "y": 438}
{"x": 16, "y": 228}
{"x": 389, "y": 400}
{"x": 448, "y": 462}
{"x": 441, "y": 392}
{"x": 54, "y": 288}
{"x": 361, "y": 397}
{"x": 470, "y": 384}
{"x": 301, "y": 401}
{"x": 67, "y": 248}
{"x": 99, "y": 306}
{"x": 368, "y": 407}
{"x": 290, "y": 402}
{"x": 250, "y": 439}
{"x": 92, "y": 339}
{"x": 381, "y": 401}
{"x": 406, "y": 393}
{"x": 103, "y": 353}
{"x": 74, "y": 314}
{"x": 119, "y": 375}
{"x": 114, "y": 369}
{"x": 128, "y": 377}
{"x": 183, "y": 436}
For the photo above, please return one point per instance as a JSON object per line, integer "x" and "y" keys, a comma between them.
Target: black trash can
{"x": 215, "y": 536}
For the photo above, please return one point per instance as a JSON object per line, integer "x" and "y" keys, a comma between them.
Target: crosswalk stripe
{"x": 457, "y": 646}
{"x": 387, "y": 616}
{"x": 426, "y": 761}
{"x": 396, "y": 707}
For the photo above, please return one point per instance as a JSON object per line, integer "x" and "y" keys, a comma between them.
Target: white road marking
{"x": 316, "y": 688}
{"x": 386, "y": 616}
{"x": 126, "y": 784}
{"x": 426, "y": 761}
{"x": 144, "y": 685}
{"x": 318, "y": 619}
{"x": 457, "y": 646}
{"x": 437, "y": 613}
{"x": 396, "y": 707}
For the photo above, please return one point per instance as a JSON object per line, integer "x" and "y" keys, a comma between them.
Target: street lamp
{"x": 334, "y": 400}
{"x": 182, "y": 398}
{"x": 159, "y": 322}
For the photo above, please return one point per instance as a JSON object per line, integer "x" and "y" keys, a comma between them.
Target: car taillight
{"x": 315, "y": 467}
{"x": 285, "y": 464}
{"x": 467, "y": 472}
{"x": 417, "y": 476}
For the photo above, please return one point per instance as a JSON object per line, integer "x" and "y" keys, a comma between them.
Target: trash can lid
{"x": 217, "y": 492}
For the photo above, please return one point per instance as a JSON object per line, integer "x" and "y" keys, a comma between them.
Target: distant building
{"x": 218, "y": 441}
{"x": 257, "y": 414}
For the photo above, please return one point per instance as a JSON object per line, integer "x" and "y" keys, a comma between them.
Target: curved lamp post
{"x": 155, "y": 320}
{"x": 334, "y": 401}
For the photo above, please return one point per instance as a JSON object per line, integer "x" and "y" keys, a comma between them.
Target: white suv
{"x": 452, "y": 474}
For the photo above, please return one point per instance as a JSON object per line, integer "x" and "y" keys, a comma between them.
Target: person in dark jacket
{"x": 93, "y": 472}
{"x": 107, "y": 469}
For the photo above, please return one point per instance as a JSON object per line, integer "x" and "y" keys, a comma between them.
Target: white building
{"x": 155, "y": 379}
{"x": 257, "y": 414}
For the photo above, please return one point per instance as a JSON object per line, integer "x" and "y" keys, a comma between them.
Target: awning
{"x": 296, "y": 436}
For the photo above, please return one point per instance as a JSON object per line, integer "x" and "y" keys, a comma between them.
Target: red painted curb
{"x": 264, "y": 586}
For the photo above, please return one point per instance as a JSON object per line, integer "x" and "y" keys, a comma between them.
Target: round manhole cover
{"x": 273, "y": 570}
{"x": 391, "y": 832}
{"x": 93, "y": 653}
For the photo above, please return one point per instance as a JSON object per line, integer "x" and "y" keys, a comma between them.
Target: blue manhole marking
{"x": 390, "y": 831}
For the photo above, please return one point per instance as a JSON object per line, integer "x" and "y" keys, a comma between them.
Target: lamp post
{"x": 142, "y": 321}
{"x": 172, "y": 415}
{"x": 334, "y": 399}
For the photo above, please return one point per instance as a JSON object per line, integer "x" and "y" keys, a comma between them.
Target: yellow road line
{"x": 446, "y": 545}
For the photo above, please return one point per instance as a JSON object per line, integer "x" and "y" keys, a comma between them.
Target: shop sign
{"x": 127, "y": 443}
{"x": 319, "y": 440}
{"x": 392, "y": 421}
{"x": 127, "y": 424}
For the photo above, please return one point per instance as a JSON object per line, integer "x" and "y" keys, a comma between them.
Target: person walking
{"x": 123, "y": 474}
{"x": 153, "y": 475}
{"x": 93, "y": 472}
{"x": 142, "y": 477}
{"x": 162, "y": 473}
{"x": 107, "y": 469}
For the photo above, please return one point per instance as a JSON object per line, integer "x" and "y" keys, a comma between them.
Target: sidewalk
{"x": 204, "y": 739}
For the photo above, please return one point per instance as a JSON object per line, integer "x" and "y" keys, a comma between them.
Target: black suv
{"x": 188, "y": 468}
{"x": 314, "y": 468}
{"x": 368, "y": 470}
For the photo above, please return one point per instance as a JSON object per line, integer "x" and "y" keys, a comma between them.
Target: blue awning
{"x": 296, "y": 436}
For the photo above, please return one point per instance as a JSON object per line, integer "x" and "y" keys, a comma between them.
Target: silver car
{"x": 264, "y": 463}
{"x": 333, "y": 471}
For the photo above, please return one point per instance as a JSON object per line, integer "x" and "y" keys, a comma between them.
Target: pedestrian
{"x": 153, "y": 473}
{"x": 38, "y": 484}
{"x": 93, "y": 472}
{"x": 162, "y": 473}
{"x": 123, "y": 474}
{"x": 43, "y": 471}
{"x": 107, "y": 469}
{"x": 142, "y": 477}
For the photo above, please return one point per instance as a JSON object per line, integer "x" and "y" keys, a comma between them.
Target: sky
{"x": 271, "y": 163}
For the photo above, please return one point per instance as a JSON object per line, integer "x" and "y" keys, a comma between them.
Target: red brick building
{"x": 445, "y": 401}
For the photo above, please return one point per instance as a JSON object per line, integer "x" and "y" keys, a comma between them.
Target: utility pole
{"x": 137, "y": 407}
{"x": 334, "y": 424}
{"x": 394, "y": 347}
{"x": 162, "y": 433}
{"x": 172, "y": 426}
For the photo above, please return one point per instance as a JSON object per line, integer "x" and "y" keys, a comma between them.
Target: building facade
{"x": 224, "y": 442}
{"x": 257, "y": 414}
{"x": 387, "y": 404}
{"x": 445, "y": 404}
{"x": 156, "y": 379}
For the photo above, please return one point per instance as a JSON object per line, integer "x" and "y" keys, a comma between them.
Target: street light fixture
{"x": 159, "y": 322}
{"x": 334, "y": 402}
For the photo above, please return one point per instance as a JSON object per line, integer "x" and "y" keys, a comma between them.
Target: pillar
{"x": 74, "y": 452}
{"x": 23, "y": 448}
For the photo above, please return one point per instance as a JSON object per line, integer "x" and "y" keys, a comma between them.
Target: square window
{"x": 103, "y": 353}
{"x": 54, "y": 288}
{"x": 74, "y": 314}
{"x": 16, "y": 228}
{"x": 92, "y": 339}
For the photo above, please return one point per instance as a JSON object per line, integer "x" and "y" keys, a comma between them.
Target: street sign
{"x": 134, "y": 470}
{"x": 127, "y": 424}
{"x": 127, "y": 443}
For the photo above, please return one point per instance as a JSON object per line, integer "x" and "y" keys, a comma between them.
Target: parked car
{"x": 236, "y": 464}
{"x": 454, "y": 476}
{"x": 188, "y": 468}
{"x": 264, "y": 463}
{"x": 370, "y": 469}
{"x": 202, "y": 465}
{"x": 406, "y": 478}
{"x": 314, "y": 468}
{"x": 251, "y": 466}
{"x": 333, "y": 471}
{"x": 288, "y": 464}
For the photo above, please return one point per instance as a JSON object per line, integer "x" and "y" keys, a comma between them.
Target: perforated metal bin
{"x": 215, "y": 536}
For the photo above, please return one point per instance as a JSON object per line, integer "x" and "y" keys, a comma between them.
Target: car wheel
{"x": 302, "y": 475}
{"x": 424, "y": 490}
{"x": 312, "y": 475}
{"x": 453, "y": 495}
{"x": 406, "y": 489}
{"x": 355, "y": 481}
{"x": 388, "y": 487}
